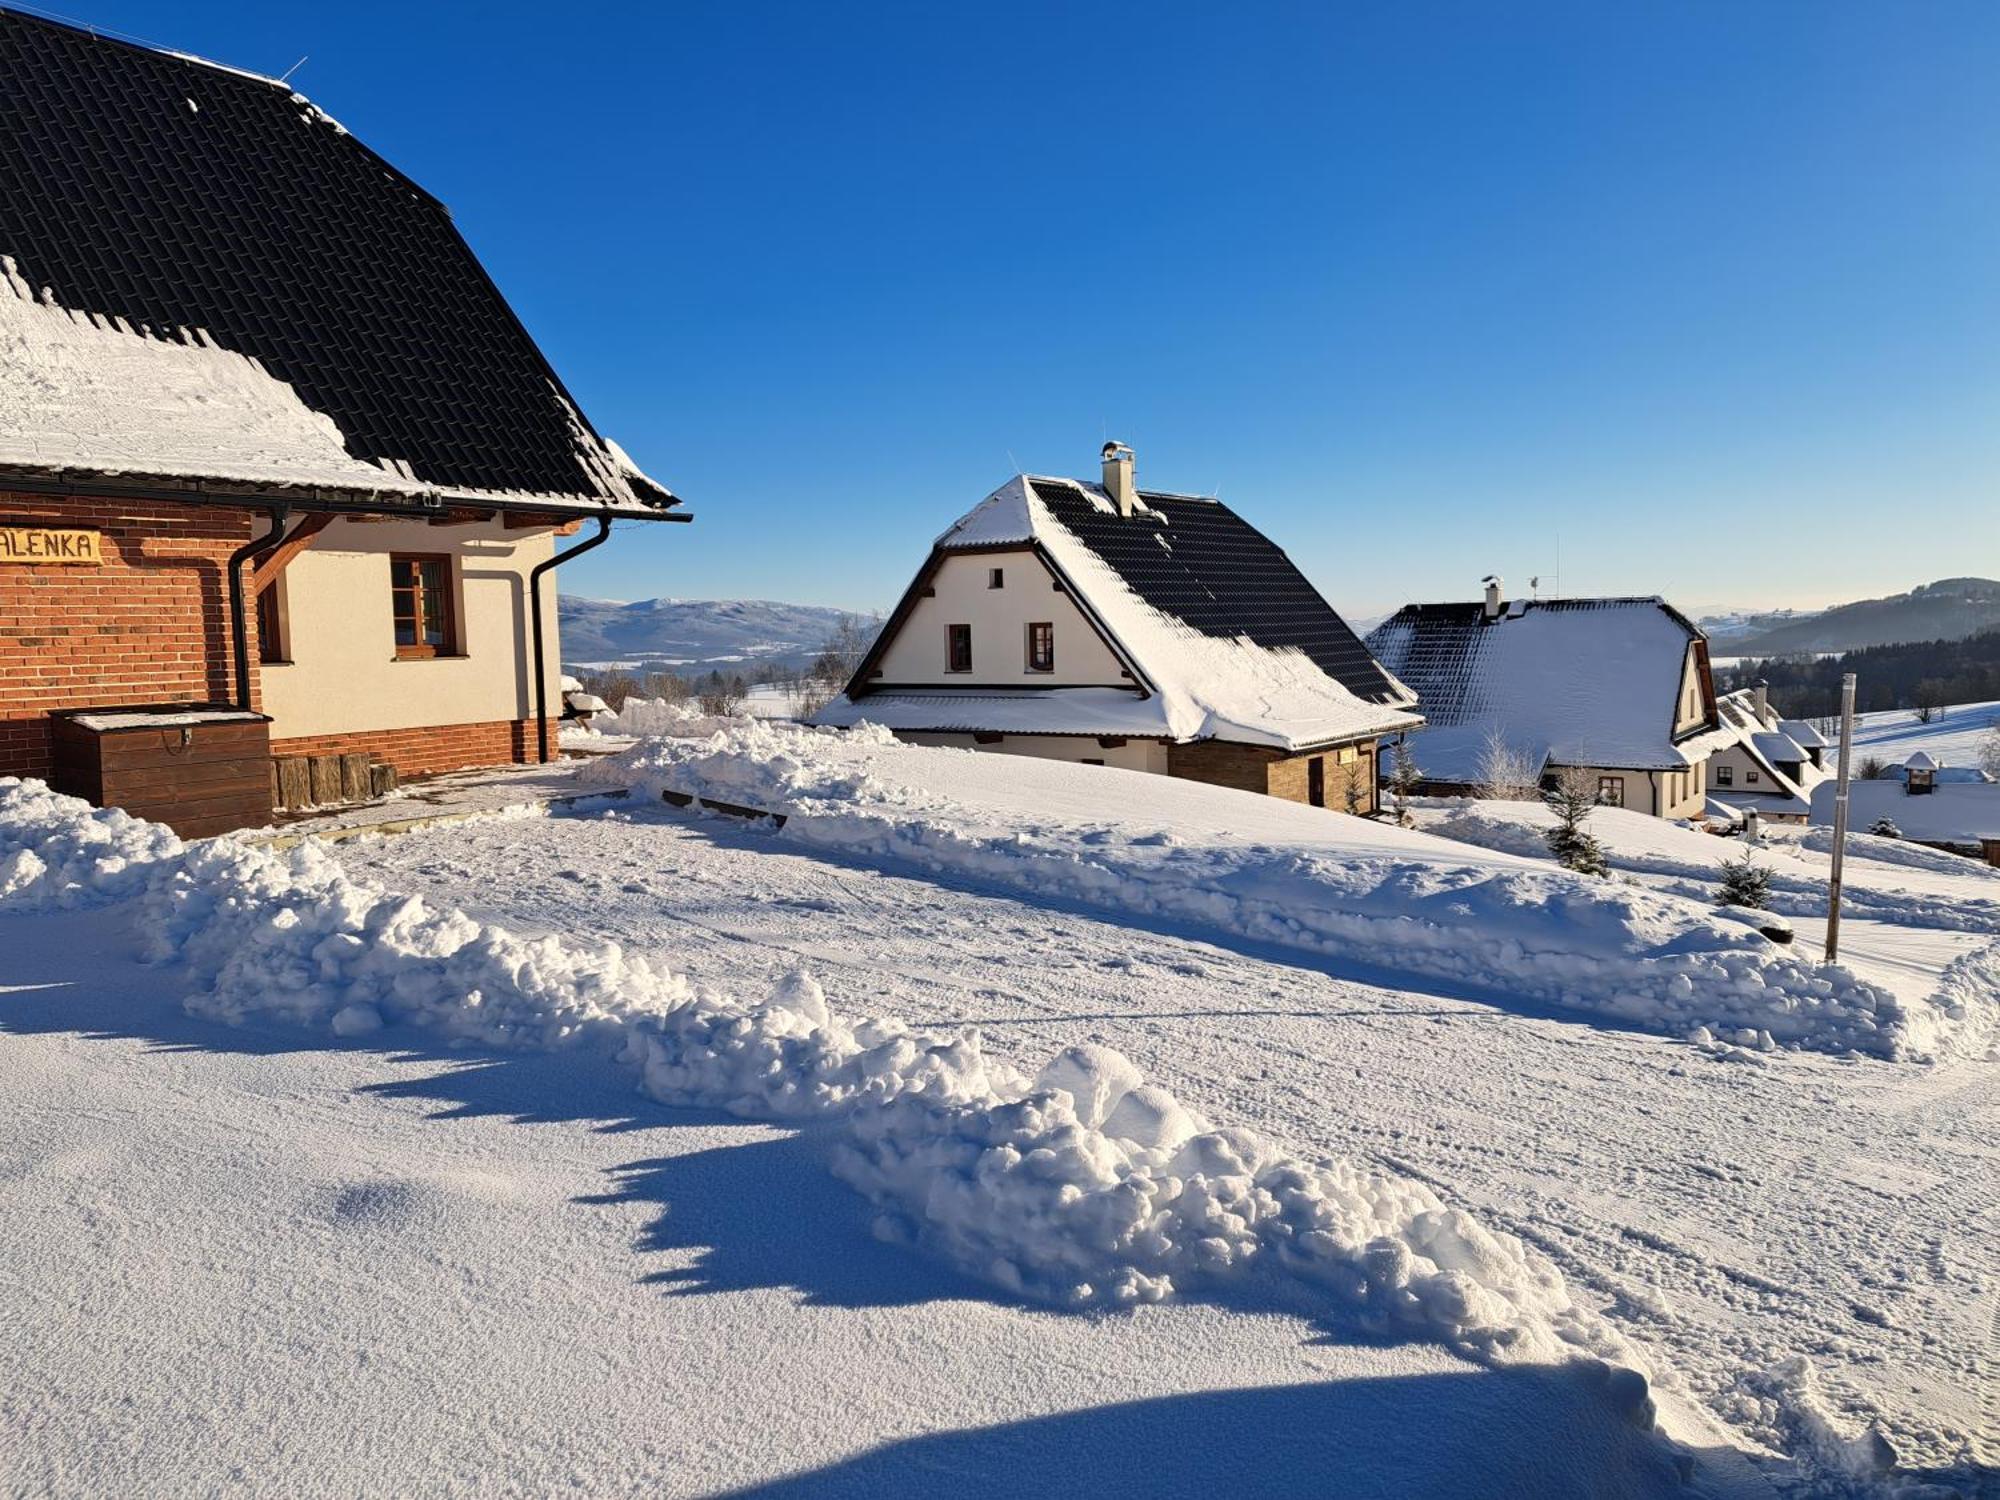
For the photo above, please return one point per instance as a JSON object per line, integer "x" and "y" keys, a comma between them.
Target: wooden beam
{"x": 560, "y": 525}
{"x": 274, "y": 562}
{"x": 463, "y": 517}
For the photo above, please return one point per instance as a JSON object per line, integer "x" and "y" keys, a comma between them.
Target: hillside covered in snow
{"x": 693, "y": 635}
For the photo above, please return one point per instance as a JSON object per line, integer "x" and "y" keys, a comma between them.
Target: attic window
{"x": 1725, "y": 775}
{"x": 996, "y": 578}
{"x": 958, "y": 648}
{"x": 1041, "y": 647}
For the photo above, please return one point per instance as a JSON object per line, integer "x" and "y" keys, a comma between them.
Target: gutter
{"x": 535, "y": 629}
{"x": 239, "y": 625}
{"x": 308, "y": 498}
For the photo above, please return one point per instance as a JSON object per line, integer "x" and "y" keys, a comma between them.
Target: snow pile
{"x": 1394, "y": 900}
{"x": 1083, "y": 1186}
{"x": 1650, "y": 846}
{"x": 1889, "y": 851}
{"x": 58, "y": 851}
{"x": 651, "y": 717}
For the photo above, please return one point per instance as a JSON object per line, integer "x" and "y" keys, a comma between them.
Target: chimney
{"x": 1493, "y": 600}
{"x": 1760, "y": 694}
{"x": 1118, "y": 478}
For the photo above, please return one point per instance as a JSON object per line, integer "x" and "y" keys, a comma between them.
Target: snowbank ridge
{"x": 1083, "y": 1186}
{"x": 1590, "y": 945}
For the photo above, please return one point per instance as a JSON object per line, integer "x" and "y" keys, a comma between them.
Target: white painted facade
{"x": 342, "y": 675}
{"x": 963, "y": 594}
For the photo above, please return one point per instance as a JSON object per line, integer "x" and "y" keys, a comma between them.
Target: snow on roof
{"x": 1233, "y": 641}
{"x": 1953, "y": 813}
{"x": 1921, "y": 761}
{"x": 1079, "y": 711}
{"x": 1588, "y": 682}
{"x": 199, "y": 290}
{"x": 1803, "y": 733}
{"x": 1782, "y": 803}
{"x": 1780, "y": 749}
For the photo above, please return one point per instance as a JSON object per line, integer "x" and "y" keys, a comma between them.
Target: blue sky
{"x": 1707, "y": 294}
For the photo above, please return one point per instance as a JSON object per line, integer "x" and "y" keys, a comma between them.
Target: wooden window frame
{"x": 1048, "y": 662}
{"x": 1749, "y": 776}
{"x": 271, "y": 643}
{"x": 953, "y": 635}
{"x": 447, "y": 607}
{"x": 1611, "y": 791}
{"x": 1725, "y": 776}
{"x": 996, "y": 578}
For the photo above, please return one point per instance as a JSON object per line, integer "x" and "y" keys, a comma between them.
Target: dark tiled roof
{"x": 1200, "y": 562}
{"x": 176, "y": 194}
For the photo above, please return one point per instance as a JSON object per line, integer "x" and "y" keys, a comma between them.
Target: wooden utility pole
{"x": 1840, "y": 817}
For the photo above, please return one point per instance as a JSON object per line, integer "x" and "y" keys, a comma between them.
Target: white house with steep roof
{"x": 1107, "y": 625}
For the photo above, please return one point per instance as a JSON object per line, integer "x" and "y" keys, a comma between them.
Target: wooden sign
{"x": 49, "y": 544}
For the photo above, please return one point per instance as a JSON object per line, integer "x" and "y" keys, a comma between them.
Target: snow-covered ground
{"x": 395, "y": 1239}
{"x": 1894, "y": 735}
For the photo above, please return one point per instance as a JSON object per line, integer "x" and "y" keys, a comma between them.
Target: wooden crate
{"x": 185, "y": 765}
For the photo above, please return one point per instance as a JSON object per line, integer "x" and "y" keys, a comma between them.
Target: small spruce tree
{"x": 1885, "y": 828}
{"x": 1745, "y": 883}
{"x": 1403, "y": 777}
{"x": 1571, "y": 799}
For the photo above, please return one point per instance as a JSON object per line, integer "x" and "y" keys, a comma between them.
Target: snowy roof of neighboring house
{"x": 1953, "y": 813}
{"x": 1940, "y": 775}
{"x": 1772, "y": 804}
{"x": 1720, "y": 811}
{"x": 1781, "y": 749}
{"x": 1921, "y": 761}
{"x": 1803, "y": 733}
{"x": 208, "y": 280}
{"x": 1588, "y": 682}
{"x": 1077, "y": 710}
{"x": 1224, "y": 636}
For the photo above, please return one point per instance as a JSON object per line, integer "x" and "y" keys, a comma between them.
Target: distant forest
{"x": 1916, "y": 675}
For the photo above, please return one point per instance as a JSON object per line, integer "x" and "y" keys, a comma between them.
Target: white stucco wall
{"x": 343, "y": 674}
{"x": 1639, "y": 789}
{"x": 1133, "y": 755}
{"x": 999, "y": 619}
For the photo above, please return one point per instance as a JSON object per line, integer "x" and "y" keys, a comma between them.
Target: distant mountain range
{"x": 693, "y": 635}
{"x": 1948, "y": 610}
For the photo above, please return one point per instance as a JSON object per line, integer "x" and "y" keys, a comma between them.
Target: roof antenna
{"x": 286, "y": 75}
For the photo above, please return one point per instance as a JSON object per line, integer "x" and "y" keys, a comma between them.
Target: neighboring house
{"x": 1944, "y": 807}
{"x": 280, "y": 470}
{"x": 1107, "y": 625}
{"x": 1619, "y": 689}
{"x": 1770, "y": 764}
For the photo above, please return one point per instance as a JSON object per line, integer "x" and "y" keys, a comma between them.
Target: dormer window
{"x": 996, "y": 578}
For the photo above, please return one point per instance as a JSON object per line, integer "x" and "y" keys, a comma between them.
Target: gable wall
{"x": 999, "y": 619}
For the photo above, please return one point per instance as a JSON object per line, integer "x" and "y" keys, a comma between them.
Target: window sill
{"x": 434, "y": 656}
{"x": 275, "y": 661}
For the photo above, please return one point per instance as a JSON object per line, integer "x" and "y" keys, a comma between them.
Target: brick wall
{"x": 149, "y": 625}
{"x": 432, "y": 748}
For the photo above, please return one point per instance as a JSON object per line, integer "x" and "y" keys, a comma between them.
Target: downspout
{"x": 239, "y": 625}
{"x": 535, "y": 629}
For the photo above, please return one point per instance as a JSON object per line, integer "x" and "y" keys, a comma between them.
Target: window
{"x": 1042, "y": 647}
{"x": 1611, "y": 791}
{"x": 958, "y": 648}
{"x": 270, "y": 625}
{"x": 1725, "y": 775}
{"x": 420, "y": 588}
{"x": 1749, "y": 775}
{"x": 1316, "y": 781}
{"x": 996, "y": 578}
